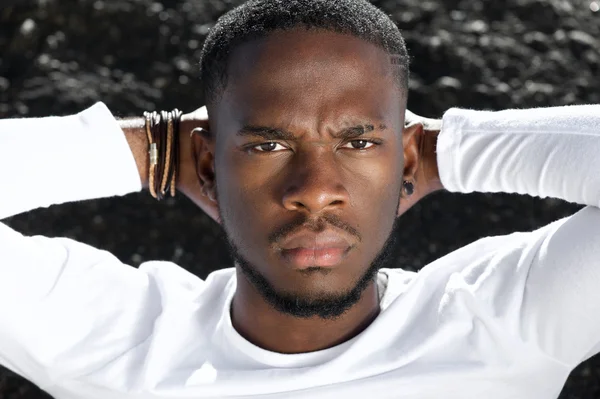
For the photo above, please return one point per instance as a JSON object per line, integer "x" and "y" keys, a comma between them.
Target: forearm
{"x": 135, "y": 133}
{"x": 545, "y": 152}
{"x": 53, "y": 160}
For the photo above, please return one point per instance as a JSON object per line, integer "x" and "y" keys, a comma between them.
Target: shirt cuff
{"x": 447, "y": 148}
{"x": 112, "y": 163}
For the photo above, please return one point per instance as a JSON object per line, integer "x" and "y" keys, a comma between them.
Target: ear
{"x": 411, "y": 140}
{"x": 203, "y": 146}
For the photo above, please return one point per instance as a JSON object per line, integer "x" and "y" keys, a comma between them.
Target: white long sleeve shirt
{"x": 504, "y": 317}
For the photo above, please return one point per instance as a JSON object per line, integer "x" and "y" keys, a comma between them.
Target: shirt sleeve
{"x": 544, "y": 152}
{"x": 54, "y": 160}
{"x": 66, "y": 307}
{"x": 554, "y": 273}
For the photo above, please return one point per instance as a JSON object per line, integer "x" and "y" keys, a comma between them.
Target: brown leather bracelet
{"x": 156, "y": 138}
{"x": 176, "y": 125}
{"x": 167, "y": 171}
{"x": 150, "y": 119}
{"x": 162, "y": 130}
{"x": 161, "y": 133}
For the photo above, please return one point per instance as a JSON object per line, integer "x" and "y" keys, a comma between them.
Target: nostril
{"x": 299, "y": 205}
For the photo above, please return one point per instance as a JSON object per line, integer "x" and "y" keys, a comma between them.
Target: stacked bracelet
{"x": 162, "y": 130}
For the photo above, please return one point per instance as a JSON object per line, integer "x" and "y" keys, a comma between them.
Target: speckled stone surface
{"x": 58, "y": 57}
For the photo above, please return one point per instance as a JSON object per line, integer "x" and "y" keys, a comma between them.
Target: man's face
{"x": 309, "y": 166}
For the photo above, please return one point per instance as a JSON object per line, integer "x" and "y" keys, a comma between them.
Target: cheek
{"x": 376, "y": 195}
{"x": 376, "y": 180}
{"x": 245, "y": 202}
{"x": 377, "y": 204}
{"x": 251, "y": 199}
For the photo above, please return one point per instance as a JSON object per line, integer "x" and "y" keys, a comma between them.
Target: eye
{"x": 361, "y": 144}
{"x": 267, "y": 147}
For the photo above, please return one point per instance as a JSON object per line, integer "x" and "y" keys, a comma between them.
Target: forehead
{"x": 309, "y": 74}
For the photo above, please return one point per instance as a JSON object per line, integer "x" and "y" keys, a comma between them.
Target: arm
{"x": 187, "y": 182}
{"x": 53, "y": 294}
{"x": 55, "y": 160}
{"x": 546, "y": 290}
{"x": 543, "y": 152}
{"x": 57, "y": 318}
{"x": 135, "y": 134}
{"x": 46, "y": 161}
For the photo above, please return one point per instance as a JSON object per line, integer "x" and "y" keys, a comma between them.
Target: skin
{"x": 313, "y": 85}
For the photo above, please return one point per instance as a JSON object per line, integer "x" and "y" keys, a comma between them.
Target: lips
{"x": 303, "y": 258}
{"x": 309, "y": 240}
{"x": 307, "y": 249}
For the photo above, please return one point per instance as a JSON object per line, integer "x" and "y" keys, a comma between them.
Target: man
{"x": 307, "y": 163}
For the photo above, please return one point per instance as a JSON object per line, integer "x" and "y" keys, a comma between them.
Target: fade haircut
{"x": 257, "y": 19}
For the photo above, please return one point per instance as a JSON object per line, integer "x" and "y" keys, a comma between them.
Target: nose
{"x": 315, "y": 185}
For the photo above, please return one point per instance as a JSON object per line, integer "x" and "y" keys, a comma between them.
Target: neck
{"x": 258, "y": 322}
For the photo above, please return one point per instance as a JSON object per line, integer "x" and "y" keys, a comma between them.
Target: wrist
{"x": 135, "y": 133}
{"x": 185, "y": 156}
{"x": 430, "y": 150}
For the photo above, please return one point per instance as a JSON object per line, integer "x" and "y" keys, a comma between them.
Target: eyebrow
{"x": 270, "y": 133}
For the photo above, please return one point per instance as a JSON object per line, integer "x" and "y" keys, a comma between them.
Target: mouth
{"x": 302, "y": 258}
{"x": 308, "y": 249}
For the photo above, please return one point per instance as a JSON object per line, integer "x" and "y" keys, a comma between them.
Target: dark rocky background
{"x": 58, "y": 57}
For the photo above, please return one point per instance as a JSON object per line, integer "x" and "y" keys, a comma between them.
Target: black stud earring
{"x": 409, "y": 187}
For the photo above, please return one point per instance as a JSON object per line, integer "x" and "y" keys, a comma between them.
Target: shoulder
{"x": 175, "y": 281}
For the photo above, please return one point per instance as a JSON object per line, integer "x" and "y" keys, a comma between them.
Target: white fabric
{"x": 504, "y": 317}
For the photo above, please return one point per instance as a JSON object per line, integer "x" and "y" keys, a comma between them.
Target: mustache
{"x": 314, "y": 225}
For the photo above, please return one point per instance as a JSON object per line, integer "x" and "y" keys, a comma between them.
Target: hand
{"x": 427, "y": 177}
{"x": 188, "y": 182}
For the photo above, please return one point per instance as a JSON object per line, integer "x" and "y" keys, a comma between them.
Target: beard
{"x": 327, "y": 307}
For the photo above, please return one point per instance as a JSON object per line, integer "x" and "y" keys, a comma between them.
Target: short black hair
{"x": 258, "y": 18}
